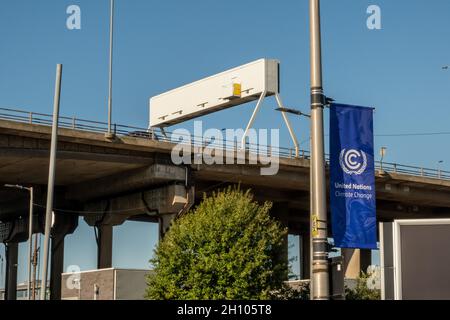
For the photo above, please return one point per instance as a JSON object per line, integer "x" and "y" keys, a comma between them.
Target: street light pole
{"x": 33, "y": 278}
{"x": 319, "y": 277}
{"x": 382, "y": 154}
{"x": 439, "y": 168}
{"x": 110, "y": 134}
{"x": 30, "y": 240}
{"x": 51, "y": 180}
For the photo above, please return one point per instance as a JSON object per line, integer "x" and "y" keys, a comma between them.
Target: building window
{"x": 294, "y": 256}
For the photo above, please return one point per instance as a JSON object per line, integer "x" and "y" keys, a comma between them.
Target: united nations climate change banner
{"x": 352, "y": 177}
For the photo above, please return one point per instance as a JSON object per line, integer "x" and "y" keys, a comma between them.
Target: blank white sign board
{"x": 415, "y": 259}
{"x": 224, "y": 90}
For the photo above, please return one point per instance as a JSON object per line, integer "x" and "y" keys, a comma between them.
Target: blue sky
{"x": 160, "y": 45}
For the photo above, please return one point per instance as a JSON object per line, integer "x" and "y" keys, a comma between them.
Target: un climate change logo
{"x": 353, "y": 161}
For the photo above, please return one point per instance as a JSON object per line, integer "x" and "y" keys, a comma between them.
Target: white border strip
{"x": 383, "y": 275}
{"x": 396, "y": 242}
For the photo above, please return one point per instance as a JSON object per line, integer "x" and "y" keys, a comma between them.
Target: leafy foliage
{"x": 286, "y": 292}
{"x": 362, "y": 291}
{"x": 224, "y": 249}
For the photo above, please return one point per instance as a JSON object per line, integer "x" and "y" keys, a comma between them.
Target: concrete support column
{"x": 63, "y": 225}
{"x": 104, "y": 250}
{"x": 355, "y": 261}
{"x": 12, "y": 251}
{"x": 57, "y": 266}
{"x": 164, "y": 223}
{"x": 351, "y": 263}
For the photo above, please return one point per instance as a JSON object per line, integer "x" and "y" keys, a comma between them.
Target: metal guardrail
{"x": 283, "y": 152}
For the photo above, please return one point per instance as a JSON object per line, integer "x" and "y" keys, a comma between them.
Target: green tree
{"x": 362, "y": 291}
{"x": 224, "y": 249}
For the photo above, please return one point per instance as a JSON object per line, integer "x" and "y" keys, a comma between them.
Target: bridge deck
{"x": 87, "y": 163}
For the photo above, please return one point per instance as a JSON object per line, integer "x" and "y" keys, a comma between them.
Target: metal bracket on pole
{"x": 288, "y": 124}
{"x": 252, "y": 118}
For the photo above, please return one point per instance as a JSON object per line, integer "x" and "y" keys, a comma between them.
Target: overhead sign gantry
{"x": 250, "y": 82}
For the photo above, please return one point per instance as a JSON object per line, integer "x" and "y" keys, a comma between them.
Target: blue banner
{"x": 352, "y": 177}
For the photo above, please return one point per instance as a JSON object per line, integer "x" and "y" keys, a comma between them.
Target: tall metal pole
{"x": 320, "y": 286}
{"x": 51, "y": 179}
{"x": 110, "y": 134}
{"x": 311, "y": 226}
{"x": 33, "y": 279}
{"x": 30, "y": 240}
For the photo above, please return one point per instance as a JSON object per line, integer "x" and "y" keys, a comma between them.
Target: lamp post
{"x": 319, "y": 224}
{"x": 382, "y": 154}
{"x": 110, "y": 134}
{"x": 318, "y": 215}
{"x": 439, "y": 168}
{"x": 51, "y": 180}
{"x": 30, "y": 232}
{"x": 34, "y": 263}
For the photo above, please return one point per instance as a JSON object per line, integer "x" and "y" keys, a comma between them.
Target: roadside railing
{"x": 226, "y": 145}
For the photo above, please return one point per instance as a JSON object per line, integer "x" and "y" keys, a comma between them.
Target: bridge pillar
{"x": 11, "y": 234}
{"x": 12, "y": 250}
{"x": 57, "y": 266}
{"x": 280, "y": 211}
{"x": 164, "y": 223}
{"x": 105, "y": 242}
{"x": 355, "y": 261}
{"x": 64, "y": 224}
{"x": 104, "y": 224}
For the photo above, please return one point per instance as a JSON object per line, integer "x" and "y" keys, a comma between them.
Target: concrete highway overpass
{"x": 133, "y": 177}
